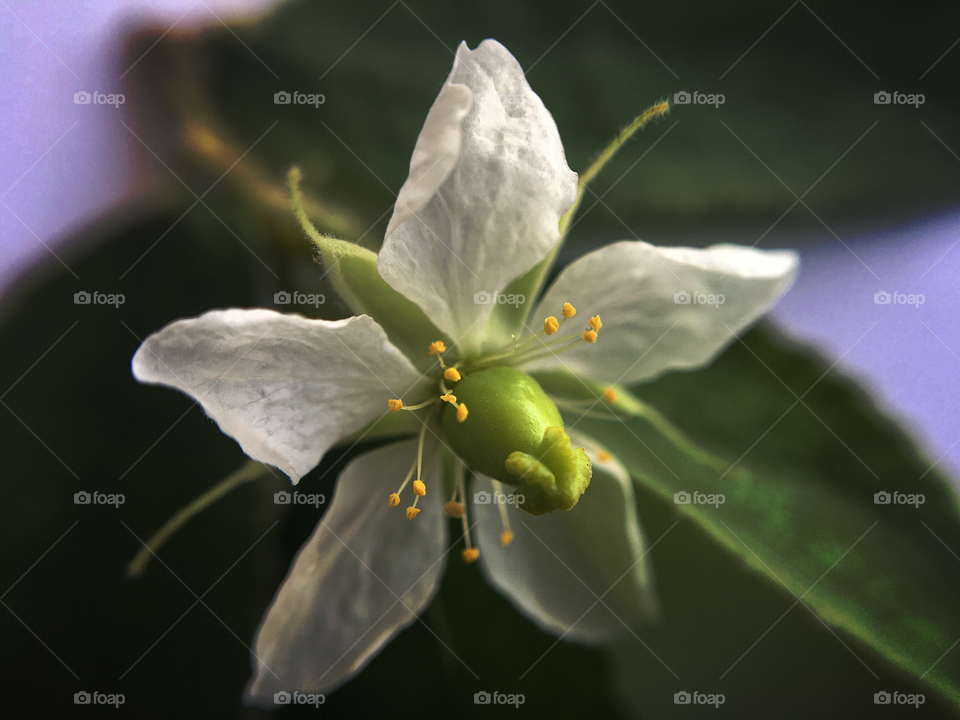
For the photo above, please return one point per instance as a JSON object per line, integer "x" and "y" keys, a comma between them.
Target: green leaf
{"x": 353, "y": 271}
{"x": 804, "y": 517}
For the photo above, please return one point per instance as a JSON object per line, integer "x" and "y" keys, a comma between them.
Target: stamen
{"x": 395, "y": 497}
{"x": 419, "y": 488}
{"x": 452, "y": 374}
{"x": 590, "y": 336}
{"x": 506, "y": 537}
{"x": 437, "y": 346}
{"x": 412, "y": 512}
{"x": 454, "y": 509}
{"x": 395, "y": 405}
{"x": 551, "y": 325}
{"x": 569, "y": 310}
{"x": 604, "y": 456}
{"x": 452, "y": 399}
{"x": 462, "y": 412}
{"x": 610, "y": 395}
{"x": 470, "y": 553}
{"x": 595, "y": 323}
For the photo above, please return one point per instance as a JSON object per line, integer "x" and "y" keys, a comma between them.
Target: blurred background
{"x": 173, "y": 197}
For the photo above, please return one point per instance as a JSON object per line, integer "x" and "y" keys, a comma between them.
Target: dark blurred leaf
{"x": 805, "y": 518}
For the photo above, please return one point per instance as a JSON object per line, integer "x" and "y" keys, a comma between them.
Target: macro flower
{"x": 445, "y": 349}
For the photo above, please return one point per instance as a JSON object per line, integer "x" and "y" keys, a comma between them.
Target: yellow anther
{"x": 394, "y": 499}
{"x": 469, "y": 555}
{"x": 604, "y": 456}
{"x": 452, "y": 374}
{"x": 419, "y": 488}
{"x": 412, "y": 512}
{"x": 610, "y": 395}
{"x": 462, "y": 412}
{"x": 454, "y": 509}
{"x": 506, "y": 537}
{"x": 395, "y": 405}
{"x": 590, "y": 336}
{"x": 595, "y": 323}
{"x": 452, "y": 399}
{"x": 437, "y": 346}
{"x": 569, "y": 310}
{"x": 551, "y": 325}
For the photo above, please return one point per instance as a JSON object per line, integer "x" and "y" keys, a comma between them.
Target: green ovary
{"x": 514, "y": 433}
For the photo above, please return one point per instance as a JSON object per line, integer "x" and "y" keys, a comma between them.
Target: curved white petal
{"x": 488, "y": 184}
{"x": 283, "y": 386}
{"x": 363, "y": 576}
{"x": 647, "y": 298}
{"x": 558, "y": 565}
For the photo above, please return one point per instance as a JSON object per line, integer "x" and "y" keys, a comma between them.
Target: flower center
{"x": 518, "y": 434}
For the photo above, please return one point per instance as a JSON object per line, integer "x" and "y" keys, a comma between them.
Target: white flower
{"x": 481, "y": 207}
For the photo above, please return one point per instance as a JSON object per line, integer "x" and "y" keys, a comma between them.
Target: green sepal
{"x": 352, "y": 270}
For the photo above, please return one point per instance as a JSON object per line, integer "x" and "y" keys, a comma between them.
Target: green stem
{"x": 248, "y": 472}
{"x": 608, "y": 152}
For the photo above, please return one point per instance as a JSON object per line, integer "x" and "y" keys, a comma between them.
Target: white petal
{"x": 283, "y": 386}
{"x": 362, "y": 577}
{"x": 558, "y": 565}
{"x": 488, "y": 184}
{"x": 638, "y": 289}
